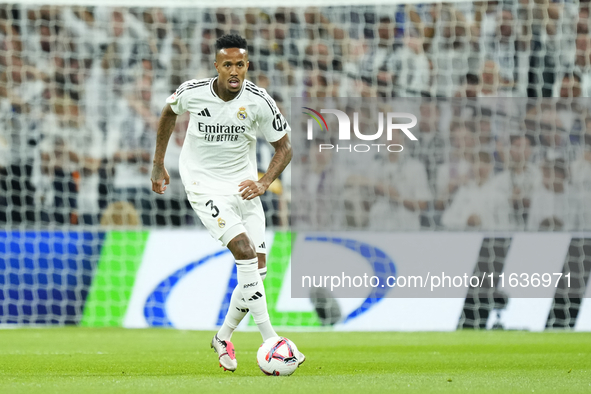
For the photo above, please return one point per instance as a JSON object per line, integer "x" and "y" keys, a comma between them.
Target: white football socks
{"x": 236, "y": 311}
{"x": 249, "y": 294}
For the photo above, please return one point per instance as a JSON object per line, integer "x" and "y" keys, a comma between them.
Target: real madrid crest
{"x": 241, "y": 113}
{"x": 221, "y": 223}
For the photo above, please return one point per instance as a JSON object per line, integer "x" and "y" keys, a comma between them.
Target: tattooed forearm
{"x": 165, "y": 129}
{"x": 281, "y": 159}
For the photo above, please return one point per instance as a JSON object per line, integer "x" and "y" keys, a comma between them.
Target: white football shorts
{"x": 226, "y": 216}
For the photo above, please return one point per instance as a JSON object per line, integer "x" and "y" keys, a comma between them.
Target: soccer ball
{"x": 277, "y": 356}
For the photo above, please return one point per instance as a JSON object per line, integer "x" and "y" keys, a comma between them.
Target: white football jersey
{"x": 220, "y": 147}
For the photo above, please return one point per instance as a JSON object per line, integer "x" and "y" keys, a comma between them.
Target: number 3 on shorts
{"x": 213, "y": 208}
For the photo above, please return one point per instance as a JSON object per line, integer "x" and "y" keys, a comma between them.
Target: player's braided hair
{"x": 230, "y": 41}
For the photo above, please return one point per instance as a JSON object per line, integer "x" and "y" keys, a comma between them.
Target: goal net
{"x": 82, "y": 84}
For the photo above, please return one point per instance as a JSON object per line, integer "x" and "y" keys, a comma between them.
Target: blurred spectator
{"x": 137, "y": 135}
{"x": 553, "y": 207}
{"x": 22, "y": 89}
{"x": 319, "y": 181}
{"x": 5, "y": 159}
{"x": 410, "y": 69}
{"x": 402, "y": 191}
{"x": 485, "y": 22}
{"x": 358, "y": 193}
{"x": 450, "y": 50}
{"x": 553, "y": 29}
{"x": 432, "y": 149}
{"x": 517, "y": 183}
{"x": 88, "y": 205}
{"x": 507, "y": 48}
{"x": 18, "y": 155}
{"x": 202, "y": 53}
{"x": 378, "y": 53}
{"x": 484, "y": 130}
{"x": 456, "y": 170}
{"x": 478, "y": 205}
{"x": 319, "y": 80}
{"x": 554, "y": 137}
{"x": 581, "y": 182}
{"x": 570, "y": 84}
{"x": 287, "y": 36}
{"x": 492, "y": 85}
{"x": 89, "y": 39}
{"x": 583, "y": 63}
{"x": 170, "y": 53}
{"x": 470, "y": 86}
{"x": 23, "y": 86}
{"x": 125, "y": 46}
{"x": 55, "y": 175}
{"x": 68, "y": 77}
{"x": 547, "y": 123}
{"x": 103, "y": 88}
{"x": 44, "y": 41}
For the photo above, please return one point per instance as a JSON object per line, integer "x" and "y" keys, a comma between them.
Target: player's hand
{"x": 159, "y": 175}
{"x": 252, "y": 189}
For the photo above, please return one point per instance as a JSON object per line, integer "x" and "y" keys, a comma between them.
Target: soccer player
{"x": 219, "y": 172}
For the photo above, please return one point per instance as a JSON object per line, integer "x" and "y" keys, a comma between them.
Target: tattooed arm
{"x": 165, "y": 129}
{"x": 282, "y": 157}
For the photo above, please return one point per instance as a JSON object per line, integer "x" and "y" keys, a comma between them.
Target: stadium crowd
{"x": 81, "y": 90}
{"x": 497, "y": 164}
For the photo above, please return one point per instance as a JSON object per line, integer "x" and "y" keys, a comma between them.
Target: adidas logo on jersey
{"x": 262, "y": 246}
{"x": 205, "y": 112}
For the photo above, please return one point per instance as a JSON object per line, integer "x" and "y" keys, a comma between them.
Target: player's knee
{"x": 244, "y": 253}
{"x": 242, "y": 247}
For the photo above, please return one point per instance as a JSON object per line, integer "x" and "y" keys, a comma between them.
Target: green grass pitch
{"x": 86, "y": 360}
